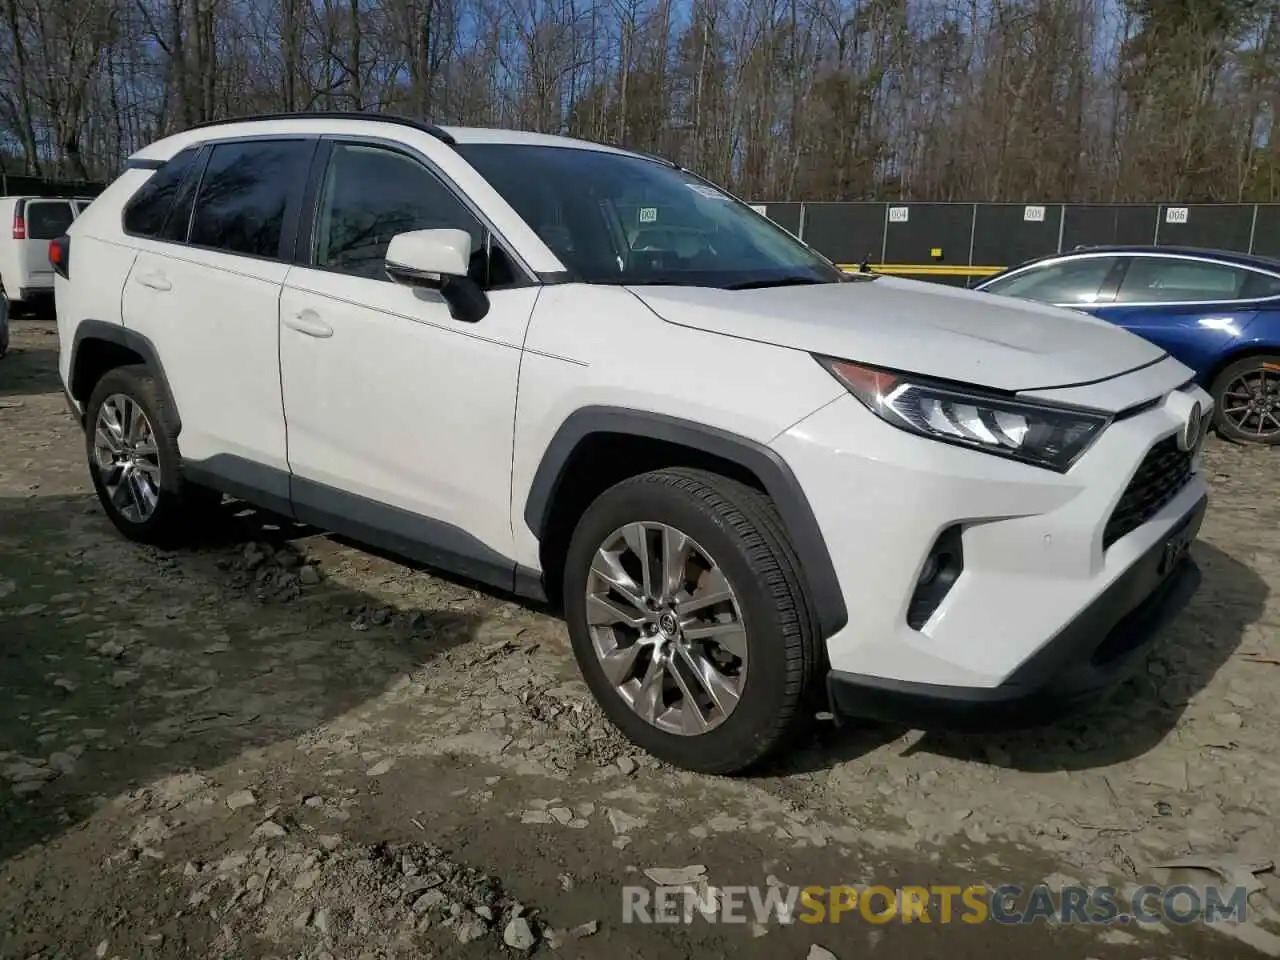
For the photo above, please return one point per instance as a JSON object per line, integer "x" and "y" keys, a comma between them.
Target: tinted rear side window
{"x": 1160, "y": 280}
{"x": 245, "y": 194}
{"x": 145, "y": 214}
{"x": 1260, "y": 285}
{"x": 47, "y": 219}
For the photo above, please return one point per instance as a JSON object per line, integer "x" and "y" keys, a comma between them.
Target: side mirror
{"x": 427, "y": 257}
{"x": 439, "y": 260}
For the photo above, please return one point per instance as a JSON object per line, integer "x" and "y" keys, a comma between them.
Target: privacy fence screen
{"x": 961, "y": 243}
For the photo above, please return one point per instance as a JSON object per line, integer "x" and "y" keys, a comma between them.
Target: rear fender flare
{"x": 131, "y": 340}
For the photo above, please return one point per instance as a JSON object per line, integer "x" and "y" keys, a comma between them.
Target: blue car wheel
{"x": 1246, "y": 398}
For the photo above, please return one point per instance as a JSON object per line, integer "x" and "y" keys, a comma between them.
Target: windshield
{"x": 613, "y": 218}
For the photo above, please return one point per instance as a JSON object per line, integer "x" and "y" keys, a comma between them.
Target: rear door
{"x": 45, "y": 220}
{"x": 205, "y": 290}
{"x": 1193, "y": 308}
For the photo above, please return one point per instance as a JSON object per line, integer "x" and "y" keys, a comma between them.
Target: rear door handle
{"x": 154, "y": 279}
{"x": 308, "y": 321}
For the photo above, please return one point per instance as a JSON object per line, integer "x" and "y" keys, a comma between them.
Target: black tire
{"x": 740, "y": 529}
{"x": 182, "y": 508}
{"x": 1266, "y": 366}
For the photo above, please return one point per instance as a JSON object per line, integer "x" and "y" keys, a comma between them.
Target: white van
{"x": 27, "y": 224}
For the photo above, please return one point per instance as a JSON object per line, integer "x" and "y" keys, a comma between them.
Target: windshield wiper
{"x": 776, "y": 282}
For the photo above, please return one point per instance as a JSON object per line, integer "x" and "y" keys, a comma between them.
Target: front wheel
{"x": 689, "y": 621}
{"x": 1246, "y": 397}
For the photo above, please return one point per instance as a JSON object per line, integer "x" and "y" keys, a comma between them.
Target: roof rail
{"x": 657, "y": 157}
{"x": 429, "y": 128}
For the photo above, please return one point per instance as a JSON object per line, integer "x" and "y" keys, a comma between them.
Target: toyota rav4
{"x": 758, "y": 488}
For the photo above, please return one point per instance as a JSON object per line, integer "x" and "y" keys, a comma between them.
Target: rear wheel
{"x": 133, "y": 457}
{"x": 1246, "y": 398}
{"x": 688, "y": 619}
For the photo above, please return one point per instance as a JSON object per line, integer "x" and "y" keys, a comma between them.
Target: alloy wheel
{"x": 127, "y": 458}
{"x": 1252, "y": 403}
{"x": 667, "y": 628}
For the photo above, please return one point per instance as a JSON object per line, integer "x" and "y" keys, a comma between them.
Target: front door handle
{"x": 308, "y": 321}
{"x": 154, "y": 279}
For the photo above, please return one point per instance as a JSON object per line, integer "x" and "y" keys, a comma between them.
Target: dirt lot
{"x": 279, "y": 745}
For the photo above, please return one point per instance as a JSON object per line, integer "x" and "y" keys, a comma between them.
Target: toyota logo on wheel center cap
{"x": 1190, "y": 436}
{"x": 667, "y": 624}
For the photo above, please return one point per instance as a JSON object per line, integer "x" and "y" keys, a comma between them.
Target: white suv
{"x": 758, "y": 488}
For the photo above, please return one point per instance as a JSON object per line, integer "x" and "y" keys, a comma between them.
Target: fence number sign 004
{"x": 1033, "y": 214}
{"x": 899, "y": 214}
{"x": 1175, "y": 215}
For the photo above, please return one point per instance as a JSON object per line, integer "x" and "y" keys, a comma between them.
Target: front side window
{"x": 48, "y": 219}
{"x": 1070, "y": 281}
{"x": 370, "y": 194}
{"x": 146, "y": 213}
{"x": 244, "y": 194}
{"x": 615, "y": 218}
{"x": 1165, "y": 280}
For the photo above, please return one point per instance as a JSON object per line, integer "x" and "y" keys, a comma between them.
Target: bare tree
{"x": 779, "y": 99}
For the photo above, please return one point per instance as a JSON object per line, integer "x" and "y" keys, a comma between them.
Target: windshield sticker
{"x": 648, "y": 214}
{"x": 711, "y": 193}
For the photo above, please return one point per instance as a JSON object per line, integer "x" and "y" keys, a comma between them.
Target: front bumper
{"x": 1086, "y": 659}
{"x": 1037, "y": 553}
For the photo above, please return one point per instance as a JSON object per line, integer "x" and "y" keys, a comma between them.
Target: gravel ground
{"x": 279, "y": 745}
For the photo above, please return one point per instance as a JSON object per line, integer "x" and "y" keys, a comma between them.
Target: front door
{"x": 400, "y": 417}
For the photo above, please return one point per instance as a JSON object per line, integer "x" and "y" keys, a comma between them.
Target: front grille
{"x": 1163, "y": 472}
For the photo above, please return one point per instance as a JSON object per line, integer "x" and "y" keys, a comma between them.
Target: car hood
{"x": 918, "y": 327}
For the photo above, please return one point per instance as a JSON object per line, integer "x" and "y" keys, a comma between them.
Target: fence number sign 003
{"x": 899, "y": 214}
{"x": 1175, "y": 215}
{"x": 1033, "y": 214}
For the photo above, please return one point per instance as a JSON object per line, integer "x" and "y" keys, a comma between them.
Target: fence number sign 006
{"x": 1033, "y": 214}
{"x": 1175, "y": 215}
{"x": 899, "y": 214}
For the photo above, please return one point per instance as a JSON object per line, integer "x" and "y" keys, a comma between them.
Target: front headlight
{"x": 1042, "y": 434}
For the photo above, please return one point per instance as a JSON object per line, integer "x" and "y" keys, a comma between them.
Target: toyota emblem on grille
{"x": 1190, "y": 435}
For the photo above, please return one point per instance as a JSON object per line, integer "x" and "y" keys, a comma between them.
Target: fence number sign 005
{"x": 1175, "y": 215}
{"x": 899, "y": 214}
{"x": 1033, "y": 214}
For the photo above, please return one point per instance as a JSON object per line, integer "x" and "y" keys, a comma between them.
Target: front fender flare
{"x": 816, "y": 569}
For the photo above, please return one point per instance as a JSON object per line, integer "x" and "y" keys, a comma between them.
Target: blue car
{"x": 1217, "y": 312}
